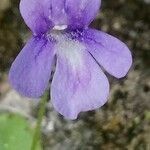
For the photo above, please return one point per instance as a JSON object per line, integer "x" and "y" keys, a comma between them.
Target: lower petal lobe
{"x": 78, "y": 83}
{"x": 30, "y": 72}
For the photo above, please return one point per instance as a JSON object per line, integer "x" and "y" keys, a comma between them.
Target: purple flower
{"x": 78, "y": 51}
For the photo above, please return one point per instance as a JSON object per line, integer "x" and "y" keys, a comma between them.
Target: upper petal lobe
{"x": 78, "y": 83}
{"x": 42, "y": 15}
{"x": 109, "y": 52}
{"x": 35, "y": 15}
{"x": 30, "y": 72}
{"x": 81, "y": 12}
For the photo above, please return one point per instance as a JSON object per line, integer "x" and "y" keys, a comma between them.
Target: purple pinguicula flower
{"x": 61, "y": 37}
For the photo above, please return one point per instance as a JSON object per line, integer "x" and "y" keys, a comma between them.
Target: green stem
{"x": 41, "y": 112}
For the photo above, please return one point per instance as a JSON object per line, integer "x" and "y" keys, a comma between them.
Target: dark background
{"x": 124, "y": 122}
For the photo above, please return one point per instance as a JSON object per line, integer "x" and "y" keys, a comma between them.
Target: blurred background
{"x": 121, "y": 124}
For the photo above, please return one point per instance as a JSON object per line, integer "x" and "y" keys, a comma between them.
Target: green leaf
{"x": 15, "y": 133}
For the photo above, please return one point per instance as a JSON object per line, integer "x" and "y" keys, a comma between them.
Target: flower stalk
{"x": 41, "y": 112}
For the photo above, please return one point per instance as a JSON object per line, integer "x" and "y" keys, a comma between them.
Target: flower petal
{"x": 78, "y": 83}
{"x": 110, "y": 52}
{"x": 42, "y": 15}
{"x": 58, "y": 13}
{"x": 30, "y": 72}
{"x": 81, "y": 12}
{"x": 35, "y": 14}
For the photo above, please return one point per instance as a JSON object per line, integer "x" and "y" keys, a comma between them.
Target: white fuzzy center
{"x": 70, "y": 49}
